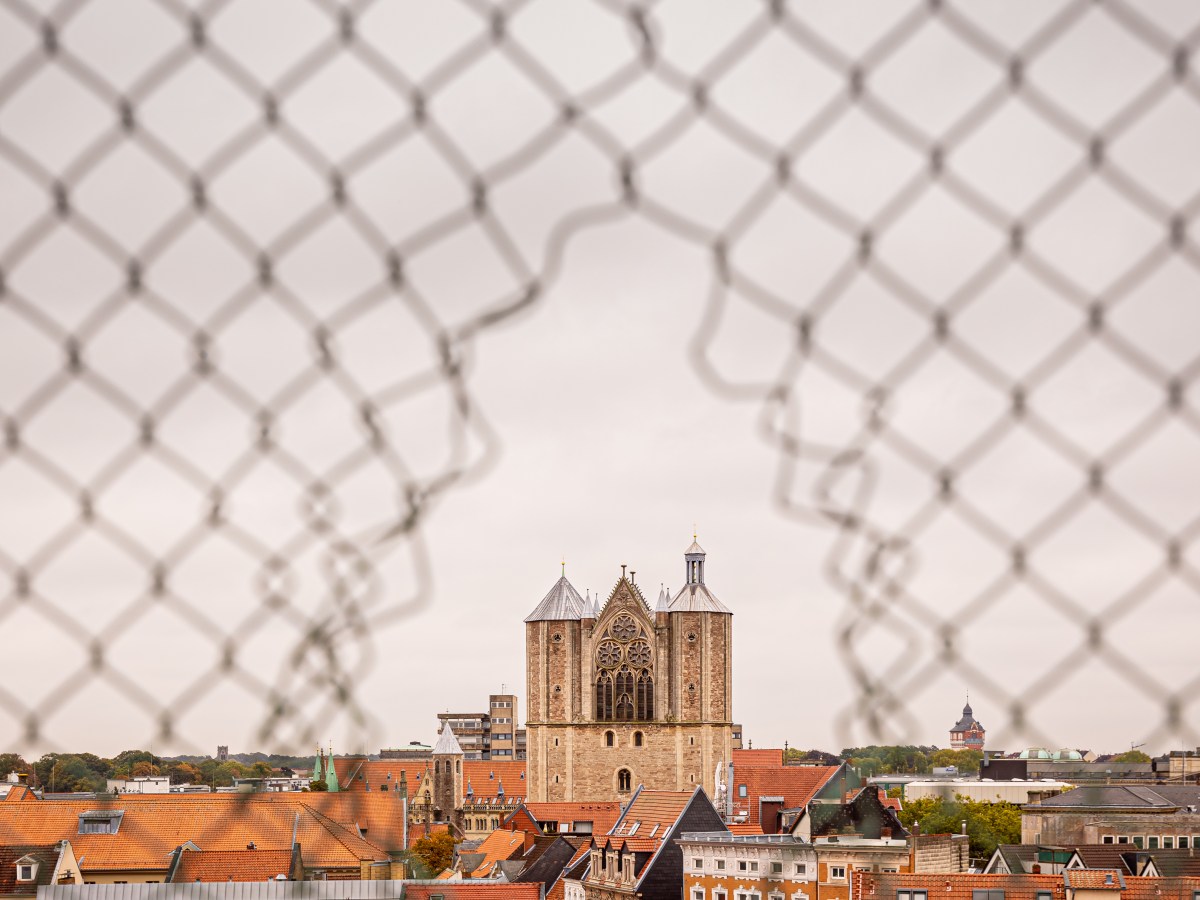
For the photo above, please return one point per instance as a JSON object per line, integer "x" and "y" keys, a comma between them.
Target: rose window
{"x": 639, "y": 654}
{"x": 609, "y": 654}
{"x": 624, "y": 628}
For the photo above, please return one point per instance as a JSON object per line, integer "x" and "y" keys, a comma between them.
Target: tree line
{"x": 66, "y": 772}
{"x": 892, "y": 759}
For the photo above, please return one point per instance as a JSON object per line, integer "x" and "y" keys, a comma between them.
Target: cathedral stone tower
{"x": 619, "y": 695}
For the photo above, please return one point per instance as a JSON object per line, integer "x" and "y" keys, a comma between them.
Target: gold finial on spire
{"x": 694, "y": 531}
{"x": 564, "y": 565}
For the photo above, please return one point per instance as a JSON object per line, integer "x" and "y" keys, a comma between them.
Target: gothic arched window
{"x": 625, "y": 672}
{"x": 604, "y": 696}
{"x": 645, "y": 697}
{"x": 624, "y": 781}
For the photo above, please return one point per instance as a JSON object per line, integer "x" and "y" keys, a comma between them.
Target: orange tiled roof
{"x": 1094, "y": 879}
{"x": 1142, "y": 888}
{"x": 486, "y": 775}
{"x": 357, "y": 775}
{"x": 232, "y": 865}
{"x": 795, "y": 784}
{"x": 602, "y": 815}
{"x": 497, "y": 846}
{"x": 459, "y": 890}
{"x": 153, "y": 825}
{"x": 743, "y": 828}
{"x": 956, "y": 886}
{"x": 19, "y": 792}
{"x": 652, "y": 808}
{"x": 757, "y": 758}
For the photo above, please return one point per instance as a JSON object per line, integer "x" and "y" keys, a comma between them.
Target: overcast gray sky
{"x": 658, "y": 379}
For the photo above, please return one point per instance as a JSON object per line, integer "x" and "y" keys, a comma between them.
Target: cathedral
{"x": 620, "y": 695}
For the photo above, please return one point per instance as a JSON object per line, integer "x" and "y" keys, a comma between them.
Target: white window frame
{"x": 800, "y": 868}
{"x": 26, "y": 872}
{"x": 719, "y": 865}
{"x": 776, "y": 867}
{"x": 697, "y": 864}
{"x": 837, "y": 873}
{"x": 698, "y": 893}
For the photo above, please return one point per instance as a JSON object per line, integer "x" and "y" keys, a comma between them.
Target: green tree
{"x": 1132, "y": 756}
{"x": 261, "y": 769}
{"x": 435, "y": 852}
{"x": 72, "y": 773}
{"x": 13, "y": 762}
{"x": 122, "y": 764}
{"x": 988, "y": 824}
{"x": 966, "y": 761}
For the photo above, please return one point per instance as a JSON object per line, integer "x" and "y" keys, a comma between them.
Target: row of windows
{"x": 482, "y": 824}
{"x": 774, "y": 867}
{"x": 635, "y": 740}
{"x": 1154, "y": 841}
{"x": 722, "y": 894}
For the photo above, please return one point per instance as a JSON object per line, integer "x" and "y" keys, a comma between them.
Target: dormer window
{"x": 27, "y": 868}
{"x": 106, "y": 821}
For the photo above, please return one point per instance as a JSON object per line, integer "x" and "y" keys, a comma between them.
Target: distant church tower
{"x": 620, "y": 695}
{"x": 447, "y": 777}
{"x": 967, "y": 733}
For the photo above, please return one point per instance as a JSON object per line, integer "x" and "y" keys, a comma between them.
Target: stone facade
{"x": 620, "y": 695}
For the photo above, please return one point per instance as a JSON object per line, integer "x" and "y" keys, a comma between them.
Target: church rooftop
{"x": 697, "y": 598}
{"x": 563, "y": 603}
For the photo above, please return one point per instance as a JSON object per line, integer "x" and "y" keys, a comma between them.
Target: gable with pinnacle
{"x": 625, "y": 598}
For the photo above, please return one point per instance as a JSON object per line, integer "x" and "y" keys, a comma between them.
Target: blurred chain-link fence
{"x": 246, "y": 254}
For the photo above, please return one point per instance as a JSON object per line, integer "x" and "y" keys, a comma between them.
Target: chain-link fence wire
{"x": 246, "y": 257}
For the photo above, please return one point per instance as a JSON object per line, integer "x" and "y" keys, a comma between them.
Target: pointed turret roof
{"x": 695, "y": 548}
{"x": 697, "y": 598}
{"x": 968, "y": 720}
{"x": 447, "y": 743}
{"x": 663, "y": 601}
{"x": 563, "y": 603}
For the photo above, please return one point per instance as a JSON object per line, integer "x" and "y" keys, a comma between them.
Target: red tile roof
{"x": 357, "y": 775}
{"x": 232, "y": 865}
{"x": 744, "y": 828}
{"x": 486, "y": 775}
{"x": 602, "y": 815}
{"x": 795, "y": 784}
{"x": 650, "y": 808}
{"x": 153, "y": 825}
{"x": 757, "y": 758}
{"x": 19, "y": 792}
{"x": 1094, "y": 879}
{"x": 463, "y": 890}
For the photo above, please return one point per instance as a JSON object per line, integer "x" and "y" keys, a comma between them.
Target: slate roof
{"x": 547, "y": 868}
{"x": 968, "y": 720}
{"x": 1109, "y": 797}
{"x": 232, "y": 865}
{"x": 693, "y": 549}
{"x": 563, "y": 603}
{"x": 45, "y": 855}
{"x": 697, "y": 598}
{"x": 496, "y": 846}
